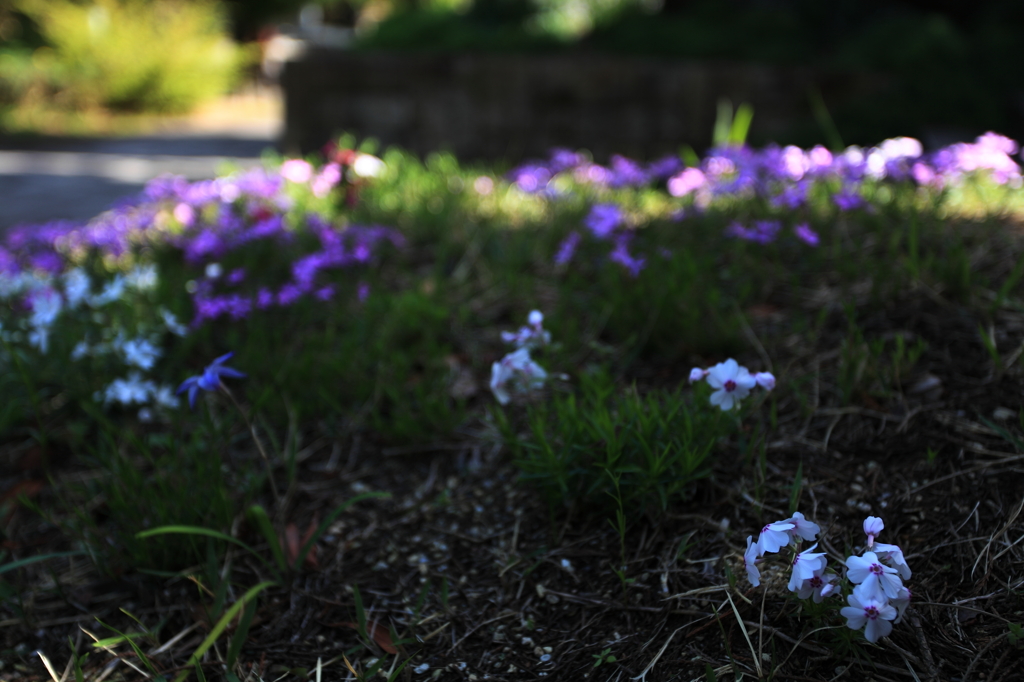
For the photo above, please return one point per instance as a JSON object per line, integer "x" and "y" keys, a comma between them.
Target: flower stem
{"x": 259, "y": 443}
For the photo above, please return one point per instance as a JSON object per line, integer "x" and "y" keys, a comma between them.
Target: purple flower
{"x": 627, "y": 173}
{"x": 763, "y": 231}
{"x": 567, "y": 249}
{"x": 621, "y": 255}
{"x": 264, "y": 298}
{"x": 847, "y": 199}
{"x": 563, "y": 159}
{"x": 805, "y": 234}
{"x": 288, "y": 294}
{"x": 603, "y": 219}
{"x": 664, "y": 168}
{"x": 210, "y": 379}
{"x": 531, "y": 177}
{"x": 792, "y": 196}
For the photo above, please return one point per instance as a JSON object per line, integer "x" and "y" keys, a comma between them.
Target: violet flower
{"x": 210, "y": 379}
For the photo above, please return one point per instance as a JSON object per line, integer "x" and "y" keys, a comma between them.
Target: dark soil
{"x": 481, "y": 579}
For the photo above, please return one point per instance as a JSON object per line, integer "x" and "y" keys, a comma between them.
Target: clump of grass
{"x": 604, "y": 448}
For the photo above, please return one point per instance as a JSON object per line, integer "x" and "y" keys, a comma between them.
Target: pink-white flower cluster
{"x": 878, "y": 599}
{"x": 732, "y": 382}
{"x": 879, "y": 596}
{"x": 808, "y": 577}
{"x": 517, "y": 372}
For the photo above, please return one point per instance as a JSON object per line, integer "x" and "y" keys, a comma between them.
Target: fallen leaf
{"x": 293, "y": 544}
{"x": 378, "y": 633}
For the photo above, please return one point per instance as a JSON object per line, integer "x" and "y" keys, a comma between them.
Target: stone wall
{"x": 491, "y": 106}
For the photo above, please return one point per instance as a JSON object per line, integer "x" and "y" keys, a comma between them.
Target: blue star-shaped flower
{"x": 209, "y": 380}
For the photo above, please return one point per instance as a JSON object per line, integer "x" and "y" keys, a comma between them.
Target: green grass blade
{"x": 221, "y": 625}
{"x": 36, "y": 559}
{"x": 241, "y": 633}
{"x": 741, "y": 124}
{"x": 258, "y": 515}
{"x": 198, "y": 530}
{"x": 135, "y": 647}
{"x": 360, "y": 612}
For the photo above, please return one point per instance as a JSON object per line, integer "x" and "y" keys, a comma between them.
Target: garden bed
{"x": 589, "y": 514}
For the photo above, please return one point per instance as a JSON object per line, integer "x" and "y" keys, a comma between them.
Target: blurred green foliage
{"x": 163, "y": 56}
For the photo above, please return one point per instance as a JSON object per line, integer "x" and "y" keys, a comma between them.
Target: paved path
{"x": 44, "y": 179}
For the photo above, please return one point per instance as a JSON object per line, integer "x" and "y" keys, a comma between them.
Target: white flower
{"x": 805, "y": 565}
{"x": 774, "y": 536}
{"x": 214, "y": 270}
{"x": 900, "y": 603}
{"x": 732, "y": 384}
{"x": 172, "y": 324}
{"x": 501, "y": 374}
{"x": 871, "y": 574}
{"x": 818, "y": 586}
{"x": 367, "y": 166}
{"x": 76, "y": 286}
{"x": 142, "y": 278}
{"x": 80, "y": 350}
{"x": 765, "y": 380}
{"x": 113, "y": 291}
{"x": 873, "y": 528}
{"x": 750, "y": 562}
{"x": 134, "y": 389}
{"x": 139, "y": 353}
{"x": 164, "y": 397}
{"x": 533, "y": 336}
{"x": 40, "y": 338}
{"x": 893, "y": 555}
{"x": 802, "y": 528}
{"x": 697, "y": 374}
{"x": 519, "y": 370}
{"x": 866, "y": 609}
{"x": 46, "y": 306}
